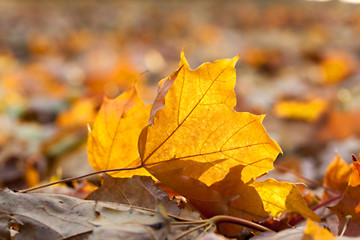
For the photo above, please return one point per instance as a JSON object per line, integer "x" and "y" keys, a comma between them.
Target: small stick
{"x": 191, "y": 230}
{"x": 223, "y": 219}
{"x": 76, "y": 178}
{"x": 348, "y": 219}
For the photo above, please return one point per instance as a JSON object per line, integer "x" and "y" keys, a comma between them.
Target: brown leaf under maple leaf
{"x": 138, "y": 191}
{"x": 230, "y": 196}
{"x": 42, "y": 216}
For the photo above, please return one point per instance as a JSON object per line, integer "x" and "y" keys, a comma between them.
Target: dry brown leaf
{"x": 50, "y": 216}
{"x": 138, "y": 191}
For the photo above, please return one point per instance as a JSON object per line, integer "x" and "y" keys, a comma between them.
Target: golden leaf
{"x": 112, "y": 143}
{"x": 198, "y": 124}
{"x": 280, "y": 197}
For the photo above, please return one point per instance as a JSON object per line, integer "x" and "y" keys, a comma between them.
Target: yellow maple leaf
{"x": 280, "y": 197}
{"x": 314, "y": 232}
{"x": 112, "y": 143}
{"x": 197, "y": 124}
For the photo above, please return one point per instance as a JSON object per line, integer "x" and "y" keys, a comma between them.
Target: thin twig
{"x": 76, "y": 178}
{"x": 205, "y": 231}
{"x": 191, "y": 230}
{"x": 347, "y": 222}
{"x": 189, "y": 222}
{"x": 223, "y": 219}
{"x": 330, "y": 200}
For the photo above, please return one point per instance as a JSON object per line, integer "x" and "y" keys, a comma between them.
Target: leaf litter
{"x": 275, "y": 75}
{"x": 221, "y": 161}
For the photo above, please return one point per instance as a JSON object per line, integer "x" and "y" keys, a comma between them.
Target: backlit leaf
{"x": 198, "y": 124}
{"x": 280, "y": 197}
{"x": 112, "y": 143}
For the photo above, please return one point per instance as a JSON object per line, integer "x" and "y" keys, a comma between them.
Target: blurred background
{"x": 299, "y": 65}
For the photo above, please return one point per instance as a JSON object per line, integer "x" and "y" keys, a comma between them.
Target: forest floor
{"x": 58, "y": 61}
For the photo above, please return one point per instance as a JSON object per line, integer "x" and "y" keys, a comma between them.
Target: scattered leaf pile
{"x": 203, "y": 152}
{"x": 194, "y": 159}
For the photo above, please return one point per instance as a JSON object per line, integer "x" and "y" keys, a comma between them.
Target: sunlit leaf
{"x": 280, "y": 197}
{"x": 198, "y": 124}
{"x": 112, "y": 143}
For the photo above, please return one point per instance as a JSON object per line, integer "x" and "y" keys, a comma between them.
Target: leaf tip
{"x": 235, "y": 59}
{"x": 183, "y": 61}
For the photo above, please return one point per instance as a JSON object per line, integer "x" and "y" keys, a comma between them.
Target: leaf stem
{"x": 239, "y": 221}
{"x": 190, "y": 222}
{"x": 79, "y": 177}
{"x": 227, "y": 219}
{"x": 330, "y": 200}
{"x": 221, "y": 219}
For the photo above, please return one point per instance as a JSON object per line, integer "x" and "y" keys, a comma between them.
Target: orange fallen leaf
{"x": 337, "y": 176}
{"x": 350, "y": 203}
{"x": 112, "y": 143}
{"x": 198, "y": 124}
{"x": 308, "y": 111}
{"x": 314, "y": 232}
